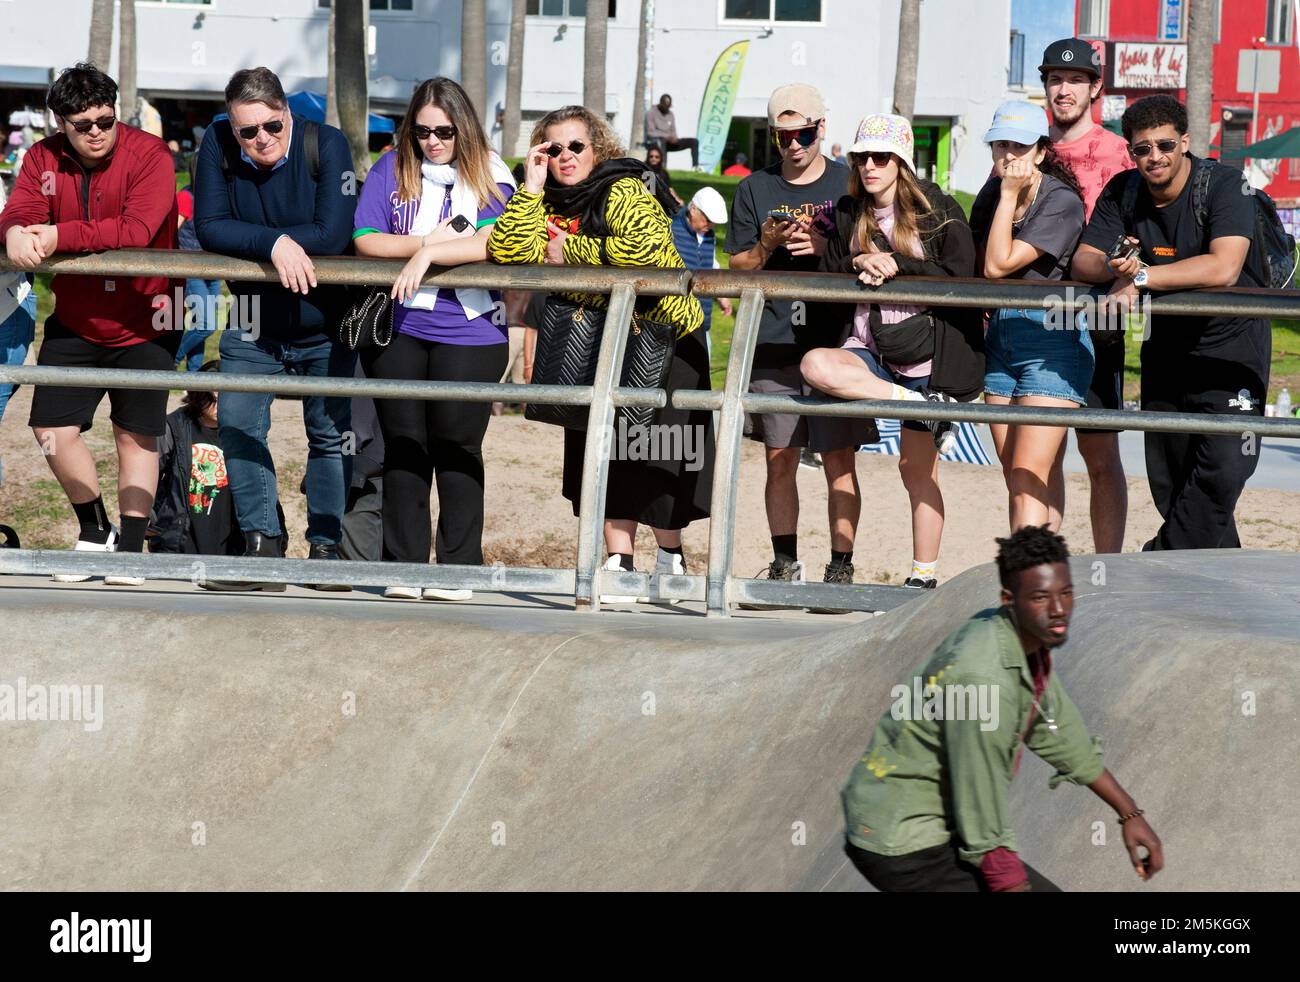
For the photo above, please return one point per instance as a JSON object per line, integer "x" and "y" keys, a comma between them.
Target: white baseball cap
{"x": 710, "y": 202}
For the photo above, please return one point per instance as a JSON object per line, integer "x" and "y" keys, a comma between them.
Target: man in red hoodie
{"x": 99, "y": 184}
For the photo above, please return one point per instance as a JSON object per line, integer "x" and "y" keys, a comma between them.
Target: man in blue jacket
{"x": 276, "y": 188}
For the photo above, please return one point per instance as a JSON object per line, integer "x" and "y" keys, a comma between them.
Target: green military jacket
{"x": 929, "y": 777}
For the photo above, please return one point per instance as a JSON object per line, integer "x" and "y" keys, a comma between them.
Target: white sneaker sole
{"x": 402, "y": 593}
{"x": 124, "y": 581}
{"x": 70, "y": 578}
{"x": 610, "y": 599}
{"x": 449, "y": 595}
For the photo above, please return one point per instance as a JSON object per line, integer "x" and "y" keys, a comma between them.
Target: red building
{"x": 1145, "y": 51}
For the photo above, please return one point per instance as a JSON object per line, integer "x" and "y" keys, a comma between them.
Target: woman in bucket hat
{"x": 893, "y": 223}
{"x": 1027, "y": 221}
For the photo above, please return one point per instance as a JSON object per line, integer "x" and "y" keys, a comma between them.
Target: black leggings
{"x": 934, "y": 870}
{"x": 423, "y": 438}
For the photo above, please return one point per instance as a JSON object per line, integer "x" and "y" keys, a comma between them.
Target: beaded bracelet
{"x": 1133, "y": 814}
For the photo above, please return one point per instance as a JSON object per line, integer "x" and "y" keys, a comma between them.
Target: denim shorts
{"x": 1024, "y": 357}
{"x": 906, "y": 381}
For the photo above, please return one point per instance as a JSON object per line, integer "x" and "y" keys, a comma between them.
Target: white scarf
{"x": 436, "y": 181}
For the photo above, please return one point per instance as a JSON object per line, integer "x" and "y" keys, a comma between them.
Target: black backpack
{"x": 1276, "y": 245}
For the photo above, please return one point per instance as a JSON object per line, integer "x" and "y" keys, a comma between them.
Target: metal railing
{"x": 585, "y": 583}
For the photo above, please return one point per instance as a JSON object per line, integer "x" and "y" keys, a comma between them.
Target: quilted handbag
{"x": 368, "y": 322}
{"x": 568, "y": 343}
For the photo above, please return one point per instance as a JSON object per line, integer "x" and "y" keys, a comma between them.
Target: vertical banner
{"x": 719, "y": 101}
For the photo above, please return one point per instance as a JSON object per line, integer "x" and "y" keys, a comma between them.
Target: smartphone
{"x": 459, "y": 224}
{"x": 1124, "y": 248}
{"x": 781, "y": 217}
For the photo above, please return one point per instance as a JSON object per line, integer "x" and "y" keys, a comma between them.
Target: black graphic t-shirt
{"x": 1169, "y": 235}
{"x": 212, "y": 527}
{"x": 765, "y": 191}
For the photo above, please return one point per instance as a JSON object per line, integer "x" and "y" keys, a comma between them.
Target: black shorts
{"x": 142, "y": 411}
{"x": 1107, "y": 388}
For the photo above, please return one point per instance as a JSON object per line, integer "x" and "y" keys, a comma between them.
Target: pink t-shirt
{"x": 889, "y": 313}
{"x": 1095, "y": 158}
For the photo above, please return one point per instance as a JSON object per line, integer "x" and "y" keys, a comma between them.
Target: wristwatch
{"x": 1140, "y": 280}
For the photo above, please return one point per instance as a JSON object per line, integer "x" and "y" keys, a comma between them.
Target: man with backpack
{"x": 277, "y": 188}
{"x": 1194, "y": 224}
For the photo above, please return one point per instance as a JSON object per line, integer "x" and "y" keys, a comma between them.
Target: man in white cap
{"x": 697, "y": 244}
{"x": 780, "y": 218}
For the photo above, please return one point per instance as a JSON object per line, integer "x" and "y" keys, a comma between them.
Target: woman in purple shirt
{"x": 433, "y": 200}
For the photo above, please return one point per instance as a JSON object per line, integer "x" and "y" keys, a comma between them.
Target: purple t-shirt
{"x": 379, "y": 209}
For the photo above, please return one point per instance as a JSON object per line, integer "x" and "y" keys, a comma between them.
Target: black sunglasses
{"x": 1142, "y": 149}
{"x": 805, "y": 135}
{"x": 880, "y": 158}
{"x": 273, "y": 127}
{"x": 441, "y": 132}
{"x": 575, "y": 148}
{"x": 105, "y": 123}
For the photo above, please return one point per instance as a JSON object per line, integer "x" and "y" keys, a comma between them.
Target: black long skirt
{"x": 660, "y": 475}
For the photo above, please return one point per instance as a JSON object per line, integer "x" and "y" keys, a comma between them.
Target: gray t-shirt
{"x": 1053, "y": 223}
{"x": 765, "y": 191}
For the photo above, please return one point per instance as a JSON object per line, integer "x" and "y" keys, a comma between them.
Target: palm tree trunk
{"x": 639, "y": 91}
{"x": 1200, "y": 73}
{"x": 352, "y": 80}
{"x": 331, "y": 81}
{"x": 473, "y": 52}
{"x": 101, "y": 34}
{"x": 126, "y": 64}
{"x": 909, "y": 39}
{"x": 593, "y": 64}
{"x": 514, "y": 80}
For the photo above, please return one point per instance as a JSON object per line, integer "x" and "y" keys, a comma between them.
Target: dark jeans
{"x": 1195, "y": 478}
{"x": 423, "y": 438}
{"x": 245, "y": 417}
{"x": 669, "y": 146}
{"x": 934, "y": 870}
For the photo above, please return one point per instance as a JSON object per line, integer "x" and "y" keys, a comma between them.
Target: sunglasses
{"x": 444, "y": 133}
{"x": 880, "y": 158}
{"x": 575, "y": 148}
{"x": 105, "y": 123}
{"x": 1142, "y": 149}
{"x": 273, "y": 127}
{"x": 806, "y": 136}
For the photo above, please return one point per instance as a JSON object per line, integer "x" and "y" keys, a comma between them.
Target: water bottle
{"x": 1283, "y": 407}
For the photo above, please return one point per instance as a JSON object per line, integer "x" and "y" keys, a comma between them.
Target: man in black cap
{"x": 1071, "y": 75}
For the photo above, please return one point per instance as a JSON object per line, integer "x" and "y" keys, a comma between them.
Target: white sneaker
{"x": 84, "y": 546}
{"x": 120, "y": 580}
{"x": 612, "y": 565}
{"x": 666, "y": 564}
{"x": 433, "y": 593}
{"x": 402, "y": 592}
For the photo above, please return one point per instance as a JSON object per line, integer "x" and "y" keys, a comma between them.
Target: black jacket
{"x": 169, "y": 521}
{"x": 949, "y": 251}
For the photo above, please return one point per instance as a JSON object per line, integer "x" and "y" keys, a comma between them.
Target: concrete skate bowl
{"x": 306, "y": 742}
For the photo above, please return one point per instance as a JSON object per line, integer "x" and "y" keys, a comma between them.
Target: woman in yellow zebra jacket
{"x": 584, "y": 202}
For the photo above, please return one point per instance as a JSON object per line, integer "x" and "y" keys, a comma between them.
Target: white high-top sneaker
{"x": 666, "y": 564}
{"x": 84, "y": 546}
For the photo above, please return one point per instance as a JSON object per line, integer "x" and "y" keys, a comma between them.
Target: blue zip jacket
{"x": 695, "y": 254}
{"x": 244, "y": 213}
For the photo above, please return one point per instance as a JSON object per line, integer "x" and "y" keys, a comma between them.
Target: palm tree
{"x": 126, "y": 64}
{"x": 514, "y": 79}
{"x": 638, "y": 92}
{"x": 473, "y": 52}
{"x": 1200, "y": 73}
{"x": 593, "y": 65}
{"x": 352, "y": 80}
{"x": 101, "y": 34}
{"x": 909, "y": 39}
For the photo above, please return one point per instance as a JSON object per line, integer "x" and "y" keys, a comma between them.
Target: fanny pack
{"x": 908, "y": 342}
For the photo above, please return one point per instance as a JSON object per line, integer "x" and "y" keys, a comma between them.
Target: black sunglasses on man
{"x": 273, "y": 127}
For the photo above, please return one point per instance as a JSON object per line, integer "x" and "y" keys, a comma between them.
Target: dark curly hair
{"x": 194, "y": 402}
{"x": 79, "y": 88}
{"x": 1033, "y": 545}
{"x": 1058, "y": 168}
{"x": 1151, "y": 112}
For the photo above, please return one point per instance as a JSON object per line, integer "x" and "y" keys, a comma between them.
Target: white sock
{"x": 898, "y": 392}
{"x": 925, "y": 571}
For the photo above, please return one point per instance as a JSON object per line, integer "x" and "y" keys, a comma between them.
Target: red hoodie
{"x": 127, "y": 202}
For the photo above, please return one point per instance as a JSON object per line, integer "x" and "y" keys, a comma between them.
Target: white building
{"x": 187, "y": 51}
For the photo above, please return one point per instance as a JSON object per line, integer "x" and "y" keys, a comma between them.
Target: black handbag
{"x": 908, "y": 342}
{"x": 568, "y": 344}
{"x": 368, "y": 322}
